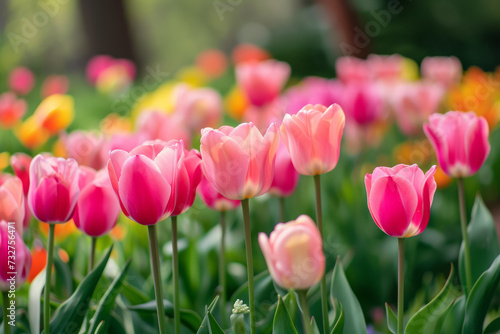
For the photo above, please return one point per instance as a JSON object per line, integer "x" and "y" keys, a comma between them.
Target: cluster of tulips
{"x": 153, "y": 173}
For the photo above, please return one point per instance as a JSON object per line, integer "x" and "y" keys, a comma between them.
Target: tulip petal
{"x": 478, "y": 146}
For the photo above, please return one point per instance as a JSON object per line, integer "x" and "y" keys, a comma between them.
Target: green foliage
{"x": 282, "y": 323}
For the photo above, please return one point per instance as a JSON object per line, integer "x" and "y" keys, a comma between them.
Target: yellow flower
{"x": 31, "y": 134}
{"x": 236, "y": 103}
{"x": 113, "y": 123}
{"x": 193, "y": 76}
{"x": 161, "y": 99}
{"x": 4, "y": 160}
{"x": 55, "y": 113}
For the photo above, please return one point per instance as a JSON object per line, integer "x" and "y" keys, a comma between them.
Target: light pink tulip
{"x": 86, "y": 148}
{"x": 21, "y": 80}
{"x": 98, "y": 207}
{"x": 53, "y": 189}
{"x": 363, "y": 103}
{"x": 352, "y": 70}
{"x": 400, "y": 199}
{"x": 158, "y": 125}
{"x": 20, "y": 263}
{"x": 294, "y": 253}
{"x": 386, "y": 68}
{"x": 313, "y": 137}
{"x": 55, "y": 84}
{"x": 239, "y": 161}
{"x": 285, "y": 176}
{"x": 99, "y": 64}
{"x": 12, "y": 200}
{"x": 11, "y": 110}
{"x": 446, "y": 71}
{"x": 262, "y": 81}
{"x": 460, "y": 141}
{"x": 413, "y": 103}
{"x": 125, "y": 141}
{"x": 199, "y": 108}
{"x": 213, "y": 199}
{"x": 189, "y": 178}
{"x": 146, "y": 179}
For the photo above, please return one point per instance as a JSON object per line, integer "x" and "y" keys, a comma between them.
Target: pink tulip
{"x": 189, "y": 178}
{"x": 285, "y": 176}
{"x": 386, "y": 68}
{"x": 53, "y": 189}
{"x": 55, "y": 84}
{"x": 20, "y": 163}
{"x": 11, "y": 110}
{"x": 413, "y": 103}
{"x": 363, "y": 103}
{"x": 400, "y": 199}
{"x": 460, "y": 141}
{"x": 352, "y": 70}
{"x": 313, "y": 137}
{"x": 213, "y": 199}
{"x": 239, "y": 161}
{"x": 158, "y": 125}
{"x": 199, "y": 108}
{"x": 86, "y": 148}
{"x": 20, "y": 263}
{"x": 98, "y": 207}
{"x": 97, "y": 65}
{"x": 12, "y": 200}
{"x": 262, "y": 81}
{"x": 125, "y": 141}
{"x": 21, "y": 80}
{"x": 146, "y": 179}
{"x": 294, "y": 253}
{"x": 446, "y": 71}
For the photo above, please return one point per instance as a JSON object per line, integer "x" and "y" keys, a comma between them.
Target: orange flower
{"x": 442, "y": 180}
{"x": 55, "y": 113}
{"x": 212, "y": 62}
{"x": 31, "y": 134}
{"x": 245, "y": 53}
{"x": 236, "y": 103}
{"x": 113, "y": 123}
{"x": 62, "y": 231}
{"x": 38, "y": 262}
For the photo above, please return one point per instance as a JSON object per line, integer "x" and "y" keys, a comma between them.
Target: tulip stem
{"x": 48, "y": 272}
{"x": 306, "y": 318}
{"x": 465, "y": 237}
{"x": 319, "y": 221}
{"x": 6, "y": 302}
{"x": 248, "y": 246}
{"x": 93, "y": 243}
{"x": 401, "y": 282}
{"x": 222, "y": 268}
{"x": 175, "y": 278}
{"x": 282, "y": 209}
{"x": 155, "y": 267}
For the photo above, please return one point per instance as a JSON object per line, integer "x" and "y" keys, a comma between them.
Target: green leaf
{"x": 34, "y": 303}
{"x": 107, "y": 302}
{"x": 70, "y": 314}
{"x": 480, "y": 298}
{"x": 133, "y": 295}
{"x": 314, "y": 326}
{"x": 290, "y": 301}
{"x": 214, "y": 327}
{"x": 493, "y": 327}
{"x": 63, "y": 280}
{"x": 205, "y": 327}
{"x": 392, "y": 321}
{"x": 483, "y": 241}
{"x": 454, "y": 321}
{"x": 189, "y": 318}
{"x": 340, "y": 289}
{"x": 338, "y": 321}
{"x": 430, "y": 318}
{"x": 264, "y": 290}
{"x": 282, "y": 323}
{"x": 100, "y": 329}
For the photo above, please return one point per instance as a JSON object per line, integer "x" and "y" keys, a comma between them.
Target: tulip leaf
{"x": 493, "y": 327}
{"x": 206, "y": 325}
{"x": 314, "y": 326}
{"x": 392, "y": 321}
{"x": 34, "y": 303}
{"x": 338, "y": 321}
{"x": 70, "y": 314}
{"x": 282, "y": 323}
{"x": 133, "y": 295}
{"x": 263, "y": 288}
{"x": 483, "y": 242}
{"x": 63, "y": 281}
{"x": 214, "y": 326}
{"x": 100, "y": 329}
{"x": 480, "y": 298}
{"x": 354, "y": 322}
{"x": 454, "y": 320}
{"x": 430, "y": 318}
{"x": 290, "y": 301}
{"x": 107, "y": 302}
{"x": 189, "y": 318}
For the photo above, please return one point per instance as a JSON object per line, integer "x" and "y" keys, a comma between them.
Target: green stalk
{"x": 93, "y": 243}
{"x": 401, "y": 282}
{"x": 175, "y": 266}
{"x": 248, "y": 246}
{"x": 155, "y": 268}
{"x": 465, "y": 237}
{"x": 319, "y": 221}
{"x": 306, "y": 318}
{"x": 222, "y": 269}
{"x": 6, "y": 326}
{"x": 282, "y": 209}
{"x": 48, "y": 272}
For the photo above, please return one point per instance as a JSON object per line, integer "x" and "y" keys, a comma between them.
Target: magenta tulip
{"x": 145, "y": 179}
{"x": 239, "y": 161}
{"x": 20, "y": 163}
{"x": 294, "y": 253}
{"x": 313, "y": 137}
{"x": 285, "y": 176}
{"x": 189, "y": 178}
{"x": 98, "y": 207}
{"x": 12, "y": 200}
{"x": 21, "y": 80}
{"x": 213, "y": 199}
{"x": 400, "y": 199}
{"x": 460, "y": 141}
{"x": 363, "y": 103}
{"x": 262, "y": 81}
{"x": 53, "y": 188}
{"x": 11, "y": 243}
